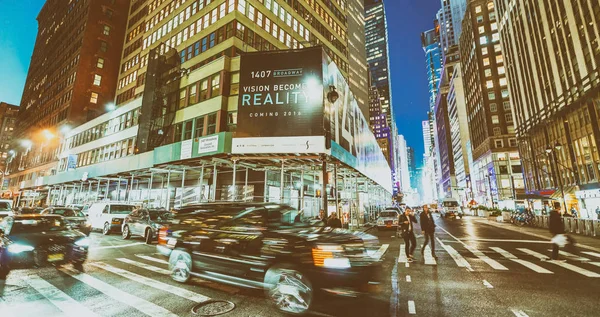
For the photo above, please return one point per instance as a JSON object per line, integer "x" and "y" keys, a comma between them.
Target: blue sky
{"x": 406, "y": 20}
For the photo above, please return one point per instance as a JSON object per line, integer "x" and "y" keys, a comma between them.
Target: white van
{"x": 108, "y": 216}
{"x": 5, "y": 208}
{"x": 451, "y": 208}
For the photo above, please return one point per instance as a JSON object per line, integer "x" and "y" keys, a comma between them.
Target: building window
{"x": 506, "y": 105}
{"x": 100, "y": 62}
{"x": 497, "y": 131}
{"x": 187, "y": 130}
{"x": 480, "y": 19}
{"x": 182, "y": 95}
{"x": 235, "y": 84}
{"x": 490, "y": 84}
{"x": 494, "y": 26}
{"x": 504, "y": 93}
{"x": 503, "y": 82}
{"x": 97, "y": 80}
{"x": 94, "y": 98}
{"x": 212, "y": 124}
{"x": 499, "y": 59}
{"x": 499, "y": 143}
{"x": 501, "y": 70}
{"x": 483, "y": 40}
{"x": 199, "y": 127}
{"x": 495, "y": 119}
{"x": 488, "y": 72}
{"x": 103, "y": 46}
{"x": 478, "y": 9}
{"x": 481, "y": 29}
{"x": 493, "y": 107}
{"x": 106, "y": 30}
{"x": 497, "y": 48}
{"x": 484, "y": 50}
{"x": 512, "y": 142}
{"x": 193, "y": 94}
{"x": 491, "y": 95}
{"x": 508, "y": 117}
{"x": 216, "y": 85}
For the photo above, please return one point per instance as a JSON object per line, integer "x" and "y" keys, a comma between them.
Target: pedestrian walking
{"x": 555, "y": 224}
{"x": 428, "y": 228}
{"x": 598, "y": 213}
{"x": 406, "y": 220}
{"x": 334, "y": 221}
{"x": 574, "y": 212}
{"x": 322, "y": 216}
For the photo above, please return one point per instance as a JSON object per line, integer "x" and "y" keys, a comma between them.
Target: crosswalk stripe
{"x": 567, "y": 266}
{"x": 153, "y": 283}
{"x": 58, "y": 298}
{"x": 527, "y": 264}
{"x": 491, "y": 262}
{"x": 145, "y": 266}
{"x": 596, "y": 254}
{"x": 411, "y": 307}
{"x": 572, "y": 256}
{"x": 429, "y": 259}
{"x": 140, "y": 304}
{"x": 594, "y": 263}
{"x": 460, "y": 261}
{"x": 402, "y": 256}
{"x": 152, "y": 259}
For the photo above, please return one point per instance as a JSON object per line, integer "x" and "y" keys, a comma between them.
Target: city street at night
{"x": 482, "y": 269}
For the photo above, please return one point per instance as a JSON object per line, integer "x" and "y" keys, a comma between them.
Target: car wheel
{"x": 289, "y": 290}
{"x": 180, "y": 265}
{"x": 106, "y": 229}
{"x": 126, "y": 233}
{"x": 148, "y": 236}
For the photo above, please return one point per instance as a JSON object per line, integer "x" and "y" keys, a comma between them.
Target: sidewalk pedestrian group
{"x": 406, "y": 221}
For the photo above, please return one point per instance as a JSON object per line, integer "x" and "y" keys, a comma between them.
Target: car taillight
{"x": 163, "y": 233}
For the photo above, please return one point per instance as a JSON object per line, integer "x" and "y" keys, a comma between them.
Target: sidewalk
{"x": 585, "y": 242}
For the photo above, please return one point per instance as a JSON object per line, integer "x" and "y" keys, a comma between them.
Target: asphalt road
{"x": 481, "y": 270}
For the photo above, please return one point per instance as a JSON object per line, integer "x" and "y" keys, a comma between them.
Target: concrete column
{"x": 201, "y": 183}
{"x": 246, "y": 185}
{"x": 107, "y": 196}
{"x": 182, "y": 188}
{"x": 302, "y": 190}
{"x": 150, "y": 183}
{"x": 233, "y": 191}
{"x": 130, "y": 188}
{"x": 282, "y": 180}
{"x": 213, "y": 194}
{"x": 266, "y": 186}
{"x": 324, "y": 188}
{"x": 97, "y": 190}
{"x": 168, "y": 203}
{"x": 119, "y": 190}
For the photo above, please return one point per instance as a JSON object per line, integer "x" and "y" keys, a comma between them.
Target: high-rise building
{"x": 450, "y": 19}
{"x": 430, "y": 40}
{"x": 72, "y": 77}
{"x": 8, "y": 120}
{"x": 426, "y": 137}
{"x": 412, "y": 165}
{"x": 553, "y": 63}
{"x": 403, "y": 170}
{"x": 358, "y": 75}
{"x": 378, "y": 123}
{"x": 497, "y": 176}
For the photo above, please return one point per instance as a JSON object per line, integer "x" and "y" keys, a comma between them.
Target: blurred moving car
{"x": 108, "y": 216}
{"x": 29, "y": 210}
{"x": 28, "y": 241}
{"x": 75, "y": 218}
{"x": 451, "y": 208}
{"x": 146, "y": 223}
{"x": 5, "y": 208}
{"x": 388, "y": 219}
{"x": 261, "y": 246}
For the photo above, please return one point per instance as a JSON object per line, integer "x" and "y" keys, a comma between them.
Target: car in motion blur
{"x": 5, "y": 208}
{"x": 74, "y": 218}
{"x": 388, "y": 219}
{"x": 28, "y": 241}
{"x": 146, "y": 223}
{"x": 29, "y": 210}
{"x": 108, "y": 216}
{"x": 451, "y": 209}
{"x": 262, "y": 246}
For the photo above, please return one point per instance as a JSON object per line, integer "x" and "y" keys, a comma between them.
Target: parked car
{"x": 262, "y": 246}
{"x": 146, "y": 223}
{"x": 451, "y": 208}
{"x": 28, "y": 241}
{"x": 388, "y": 219}
{"x": 75, "y": 218}
{"x": 29, "y": 210}
{"x": 108, "y": 216}
{"x": 5, "y": 208}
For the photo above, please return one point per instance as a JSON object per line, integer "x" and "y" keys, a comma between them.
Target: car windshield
{"x": 41, "y": 224}
{"x": 29, "y": 211}
{"x": 4, "y": 205}
{"x": 68, "y": 212}
{"x": 387, "y": 214}
{"x": 121, "y": 209}
{"x": 160, "y": 215}
{"x": 450, "y": 204}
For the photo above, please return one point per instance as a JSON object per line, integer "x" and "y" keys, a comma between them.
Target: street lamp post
{"x": 550, "y": 151}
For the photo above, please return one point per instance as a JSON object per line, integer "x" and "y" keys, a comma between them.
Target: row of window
{"x": 195, "y": 128}
{"x": 114, "y": 125}
{"x": 106, "y": 153}
{"x": 201, "y": 90}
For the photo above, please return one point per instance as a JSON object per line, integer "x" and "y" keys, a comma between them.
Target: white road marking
{"x": 429, "y": 259}
{"x": 505, "y": 240}
{"x": 527, "y": 264}
{"x": 491, "y": 262}
{"x": 408, "y": 279}
{"x": 460, "y": 261}
{"x": 411, "y": 307}
{"x": 153, "y": 259}
{"x": 406, "y": 264}
{"x": 561, "y": 264}
{"x": 140, "y": 304}
{"x": 594, "y": 263}
{"x": 487, "y": 284}
{"x": 402, "y": 256}
{"x": 596, "y": 254}
{"x": 58, "y": 298}
{"x": 380, "y": 252}
{"x": 181, "y": 292}
{"x": 572, "y": 256}
{"x": 117, "y": 246}
{"x": 145, "y": 266}
{"x": 519, "y": 313}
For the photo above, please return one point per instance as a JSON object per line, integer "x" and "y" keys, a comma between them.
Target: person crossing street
{"x": 406, "y": 220}
{"x": 428, "y": 228}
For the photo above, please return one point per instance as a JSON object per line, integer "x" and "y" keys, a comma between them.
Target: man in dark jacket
{"x": 405, "y": 221}
{"x": 555, "y": 224}
{"x": 333, "y": 221}
{"x": 428, "y": 228}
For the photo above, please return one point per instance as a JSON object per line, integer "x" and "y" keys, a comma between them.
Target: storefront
{"x": 589, "y": 203}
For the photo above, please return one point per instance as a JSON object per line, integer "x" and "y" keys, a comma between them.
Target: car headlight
{"x": 379, "y": 221}
{"x": 330, "y": 256}
{"x": 16, "y": 248}
{"x": 337, "y": 263}
{"x": 84, "y": 242}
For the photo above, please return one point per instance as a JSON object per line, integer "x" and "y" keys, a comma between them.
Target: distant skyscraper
{"x": 403, "y": 170}
{"x": 430, "y": 41}
{"x": 378, "y": 123}
{"x": 8, "y": 120}
{"x": 412, "y": 164}
{"x": 426, "y": 137}
{"x": 358, "y": 75}
{"x": 450, "y": 20}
